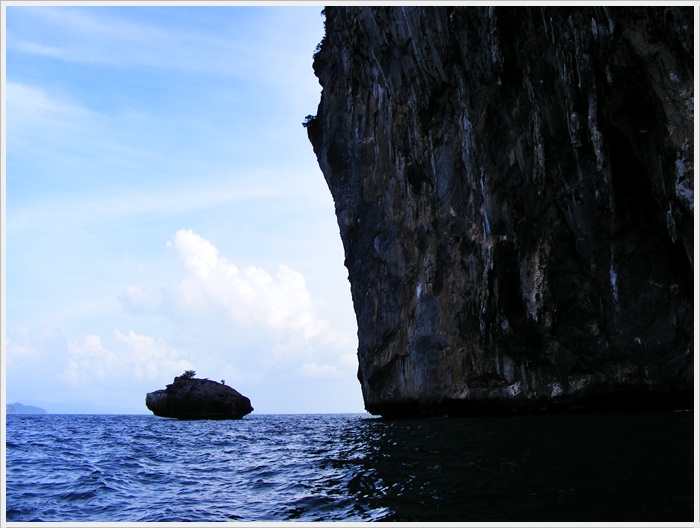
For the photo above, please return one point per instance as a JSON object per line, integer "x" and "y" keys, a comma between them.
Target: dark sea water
{"x": 557, "y": 468}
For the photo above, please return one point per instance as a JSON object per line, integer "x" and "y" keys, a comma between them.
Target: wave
{"x": 332, "y": 468}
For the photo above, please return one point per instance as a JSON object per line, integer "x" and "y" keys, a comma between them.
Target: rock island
{"x": 190, "y": 398}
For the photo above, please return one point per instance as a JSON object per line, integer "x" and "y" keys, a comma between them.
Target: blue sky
{"x": 165, "y": 211}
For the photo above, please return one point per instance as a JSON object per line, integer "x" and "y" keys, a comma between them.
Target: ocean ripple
{"x": 143, "y": 468}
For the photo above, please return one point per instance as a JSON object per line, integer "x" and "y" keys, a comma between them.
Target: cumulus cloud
{"x": 88, "y": 360}
{"x": 148, "y": 357}
{"x": 262, "y": 321}
{"x": 249, "y": 295}
{"x": 246, "y": 324}
{"x": 19, "y": 344}
{"x": 25, "y": 346}
{"x": 133, "y": 356}
{"x": 97, "y": 372}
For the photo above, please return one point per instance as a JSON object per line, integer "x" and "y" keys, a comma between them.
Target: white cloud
{"x": 27, "y": 346}
{"x": 35, "y": 359}
{"x": 30, "y": 105}
{"x": 135, "y": 356}
{"x": 126, "y": 152}
{"x": 97, "y": 373}
{"x": 262, "y": 321}
{"x": 249, "y": 295}
{"x": 88, "y": 360}
{"x": 112, "y": 40}
{"x": 148, "y": 358}
{"x": 175, "y": 127}
{"x": 86, "y": 36}
{"x": 39, "y": 49}
{"x": 17, "y": 353}
{"x": 141, "y": 300}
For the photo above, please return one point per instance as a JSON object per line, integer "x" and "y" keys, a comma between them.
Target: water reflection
{"x": 525, "y": 468}
{"x": 555, "y": 468}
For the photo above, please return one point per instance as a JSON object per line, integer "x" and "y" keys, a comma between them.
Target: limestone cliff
{"x": 514, "y": 191}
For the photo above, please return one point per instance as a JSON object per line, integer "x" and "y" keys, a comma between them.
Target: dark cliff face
{"x": 514, "y": 191}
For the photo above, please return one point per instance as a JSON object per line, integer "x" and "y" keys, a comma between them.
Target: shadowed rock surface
{"x": 514, "y": 192}
{"x": 198, "y": 399}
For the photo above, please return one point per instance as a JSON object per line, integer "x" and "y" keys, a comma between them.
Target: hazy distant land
{"x": 20, "y": 408}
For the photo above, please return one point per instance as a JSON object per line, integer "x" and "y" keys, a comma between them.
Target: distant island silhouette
{"x": 20, "y": 408}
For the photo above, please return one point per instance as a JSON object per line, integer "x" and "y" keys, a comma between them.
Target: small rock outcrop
{"x": 198, "y": 399}
{"x": 514, "y": 191}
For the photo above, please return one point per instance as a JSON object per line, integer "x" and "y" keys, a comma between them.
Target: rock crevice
{"x": 514, "y": 192}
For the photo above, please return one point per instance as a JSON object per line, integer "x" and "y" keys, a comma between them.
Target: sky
{"x": 165, "y": 210}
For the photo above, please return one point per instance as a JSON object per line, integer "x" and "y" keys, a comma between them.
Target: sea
{"x": 609, "y": 467}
